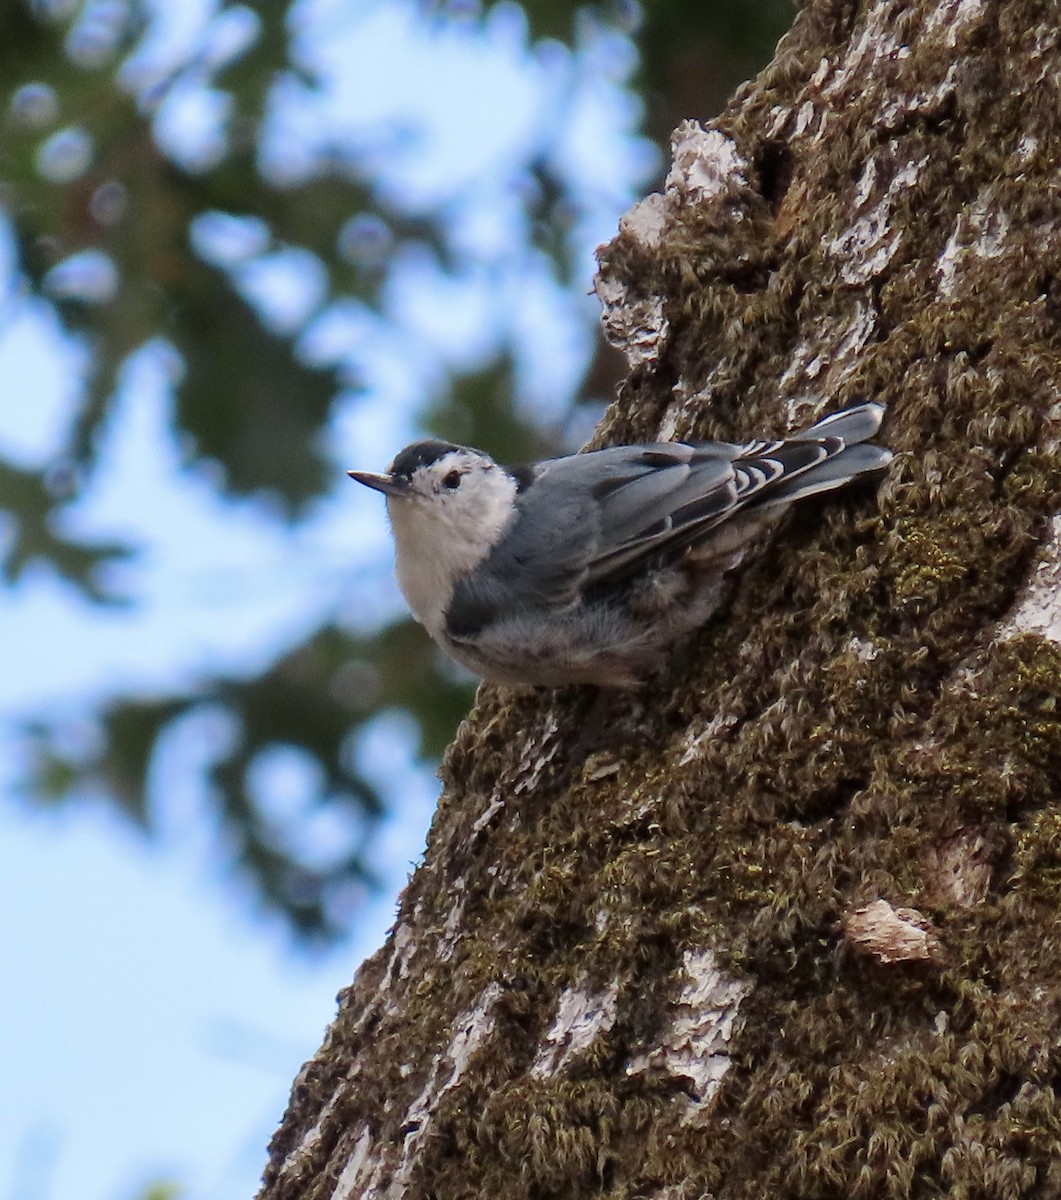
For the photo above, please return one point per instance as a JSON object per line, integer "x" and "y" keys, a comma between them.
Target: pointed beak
{"x": 389, "y": 485}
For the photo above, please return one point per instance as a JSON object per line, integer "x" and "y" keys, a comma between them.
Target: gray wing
{"x": 637, "y": 501}
{"x": 693, "y": 489}
{"x": 599, "y": 517}
{"x": 561, "y": 528}
{"x": 667, "y": 496}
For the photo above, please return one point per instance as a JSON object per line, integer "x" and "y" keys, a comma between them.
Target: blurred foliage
{"x": 104, "y": 222}
{"x": 29, "y": 498}
{"x": 693, "y": 54}
{"x": 163, "y": 1189}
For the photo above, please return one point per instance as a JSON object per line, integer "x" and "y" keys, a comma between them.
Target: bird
{"x": 591, "y": 568}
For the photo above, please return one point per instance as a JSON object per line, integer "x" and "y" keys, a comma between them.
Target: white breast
{"x": 440, "y": 539}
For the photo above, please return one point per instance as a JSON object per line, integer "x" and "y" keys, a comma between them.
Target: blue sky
{"x": 153, "y": 1021}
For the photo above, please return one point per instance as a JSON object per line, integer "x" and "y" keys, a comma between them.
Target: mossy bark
{"x": 788, "y": 922}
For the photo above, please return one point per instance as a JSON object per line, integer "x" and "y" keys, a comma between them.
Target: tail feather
{"x": 855, "y": 424}
{"x": 858, "y": 457}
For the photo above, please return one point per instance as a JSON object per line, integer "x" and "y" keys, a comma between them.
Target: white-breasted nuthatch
{"x": 586, "y": 569}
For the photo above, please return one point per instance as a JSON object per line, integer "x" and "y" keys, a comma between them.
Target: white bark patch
{"x": 863, "y": 651}
{"x": 925, "y": 103}
{"x": 955, "y": 18}
{"x": 706, "y": 165}
{"x": 647, "y": 220}
{"x": 891, "y": 935}
{"x": 537, "y": 754}
{"x": 867, "y": 246}
{"x": 669, "y": 425}
{"x": 452, "y": 926}
{"x": 636, "y": 327}
{"x": 804, "y": 117}
{"x": 777, "y": 119}
{"x": 875, "y": 43}
{"x": 311, "y": 1137}
{"x": 360, "y": 1171}
{"x": 487, "y": 815}
{"x": 692, "y": 399}
{"x": 1043, "y": 53}
{"x": 401, "y": 950}
{"x": 1027, "y": 146}
{"x": 981, "y": 231}
{"x": 827, "y": 352}
{"x": 1039, "y": 609}
{"x": 883, "y": 37}
{"x": 470, "y": 1030}
{"x": 581, "y": 1017}
{"x": 696, "y": 1044}
{"x": 707, "y": 168}
{"x": 696, "y": 744}
{"x": 855, "y": 335}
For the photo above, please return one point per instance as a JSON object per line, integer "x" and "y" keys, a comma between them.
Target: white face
{"x": 446, "y": 520}
{"x": 459, "y": 478}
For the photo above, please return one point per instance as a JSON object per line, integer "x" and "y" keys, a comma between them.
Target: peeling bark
{"x": 892, "y": 935}
{"x": 624, "y": 968}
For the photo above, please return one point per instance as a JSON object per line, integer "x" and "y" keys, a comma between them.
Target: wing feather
{"x": 607, "y": 513}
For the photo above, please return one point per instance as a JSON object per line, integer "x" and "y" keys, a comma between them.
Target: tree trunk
{"x": 787, "y": 924}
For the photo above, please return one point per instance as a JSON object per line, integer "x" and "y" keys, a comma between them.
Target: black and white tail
{"x": 843, "y": 453}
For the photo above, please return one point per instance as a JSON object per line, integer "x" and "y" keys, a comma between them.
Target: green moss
{"x": 1037, "y": 859}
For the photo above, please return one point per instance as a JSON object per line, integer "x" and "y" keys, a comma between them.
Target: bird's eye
{"x": 452, "y": 480}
